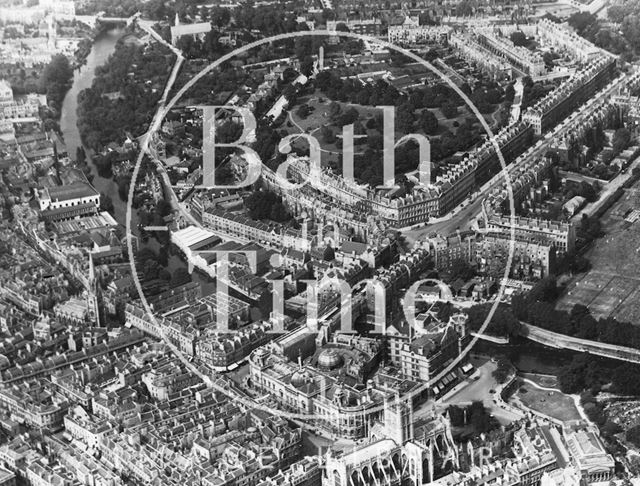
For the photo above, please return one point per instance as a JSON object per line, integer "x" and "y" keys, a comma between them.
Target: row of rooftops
{"x": 525, "y": 174}
{"x": 507, "y": 46}
{"x": 403, "y": 267}
{"x": 260, "y": 226}
{"x": 570, "y": 85}
{"x": 209, "y": 339}
{"x": 470, "y": 48}
{"x": 567, "y": 37}
{"x": 49, "y": 364}
{"x": 475, "y": 158}
{"x": 530, "y": 224}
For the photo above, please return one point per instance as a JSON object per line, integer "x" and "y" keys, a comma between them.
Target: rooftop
{"x": 75, "y": 190}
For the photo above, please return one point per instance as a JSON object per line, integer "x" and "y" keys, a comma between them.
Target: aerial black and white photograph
{"x": 319, "y": 242}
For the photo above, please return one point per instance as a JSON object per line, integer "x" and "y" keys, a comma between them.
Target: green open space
{"x": 549, "y": 402}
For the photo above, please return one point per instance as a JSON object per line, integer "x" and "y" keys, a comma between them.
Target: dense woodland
{"x": 123, "y": 95}
{"x": 56, "y": 80}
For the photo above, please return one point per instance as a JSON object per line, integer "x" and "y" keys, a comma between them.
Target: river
{"x": 102, "y": 48}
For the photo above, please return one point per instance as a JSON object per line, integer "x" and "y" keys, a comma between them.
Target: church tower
{"x": 398, "y": 419}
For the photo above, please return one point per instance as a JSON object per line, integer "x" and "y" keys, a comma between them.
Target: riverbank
{"x": 103, "y": 46}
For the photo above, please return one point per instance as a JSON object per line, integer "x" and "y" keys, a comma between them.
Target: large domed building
{"x": 330, "y": 359}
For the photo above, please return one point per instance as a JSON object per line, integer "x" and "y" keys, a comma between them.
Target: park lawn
{"x": 550, "y": 402}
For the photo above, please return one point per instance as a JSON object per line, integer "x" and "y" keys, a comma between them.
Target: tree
{"x": 588, "y": 192}
{"x": 303, "y": 111}
{"x": 509, "y": 93}
{"x": 625, "y": 379}
{"x": 306, "y": 65}
{"x": 348, "y": 117}
{"x": 220, "y": 16}
{"x": 631, "y": 29}
{"x": 503, "y": 370}
{"x": 463, "y": 270}
{"x": 106, "y": 203}
{"x": 621, "y": 140}
{"x": 334, "y": 110}
{"x": 546, "y": 290}
{"x": 518, "y": 38}
{"x": 329, "y": 254}
{"x": 56, "y": 80}
{"x": 464, "y": 9}
{"x": 266, "y": 205}
{"x": 456, "y": 415}
{"x": 428, "y": 122}
{"x": 164, "y": 274}
{"x": 180, "y": 276}
{"x": 503, "y": 323}
{"x": 480, "y": 419}
{"x": 80, "y": 156}
{"x": 633, "y": 435}
{"x": 590, "y": 227}
{"x": 415, "y": 99}
{"x": 571, "y": 376}
{"x": 449, "y": 109}
{"x": 405, "y": 118}
{"x": 581, "y": 21}
{"x": 327, "y": 134}
{"x": 279, "y": 212}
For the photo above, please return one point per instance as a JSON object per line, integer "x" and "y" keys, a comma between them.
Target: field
{"x": 550, "y": 402}
{"x": 612, "y": 286}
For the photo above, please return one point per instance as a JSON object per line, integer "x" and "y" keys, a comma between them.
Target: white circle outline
{"x": 155, "y": 124}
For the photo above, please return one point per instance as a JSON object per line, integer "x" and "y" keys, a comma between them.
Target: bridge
{"x": 562, "y": 341}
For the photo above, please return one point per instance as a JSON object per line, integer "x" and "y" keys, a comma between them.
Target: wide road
{"x": 481, "y": 386}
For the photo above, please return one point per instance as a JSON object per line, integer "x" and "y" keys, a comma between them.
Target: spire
{"x": 177, "y": 21}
